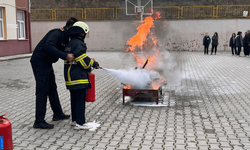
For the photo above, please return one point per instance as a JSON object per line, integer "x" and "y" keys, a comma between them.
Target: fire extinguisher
{"x": 90, "y": 97}
{"x": 5, "y": 134}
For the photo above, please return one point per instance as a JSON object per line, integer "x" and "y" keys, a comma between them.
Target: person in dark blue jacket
{"x": 48, "y": 51}
{"x": 206, "y": 43}
{"x": 239, "y": 42}
{"x": 76, "y": 73}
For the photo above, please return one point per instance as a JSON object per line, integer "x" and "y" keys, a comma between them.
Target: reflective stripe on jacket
{"x": 76, "y": 73}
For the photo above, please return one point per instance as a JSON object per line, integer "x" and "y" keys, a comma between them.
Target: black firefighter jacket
{"x": 50, "y": 49}
{"x": 76, "y": 73}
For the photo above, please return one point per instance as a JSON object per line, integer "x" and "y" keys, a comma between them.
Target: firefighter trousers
{"x": 45, "y": 87}
{"x": 78, "y": 98}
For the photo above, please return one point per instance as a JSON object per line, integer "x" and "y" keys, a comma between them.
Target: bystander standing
{"x": 232, "y": 44}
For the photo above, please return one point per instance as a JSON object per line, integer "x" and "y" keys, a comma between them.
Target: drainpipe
{"x": 29, "y": 6}
{"x": 30, "y": 44}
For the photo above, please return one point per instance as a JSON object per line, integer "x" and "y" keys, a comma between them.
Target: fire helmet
{"x": 77, "y": 29}
{"x": 82, "y": 25}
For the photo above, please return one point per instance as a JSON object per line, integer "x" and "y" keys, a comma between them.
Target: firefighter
{"x": 48, "y": 51}
{"x": 76, "y": 73}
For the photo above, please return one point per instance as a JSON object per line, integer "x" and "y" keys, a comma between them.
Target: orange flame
{"x": 141, "y": 61}
{"x": 128, "y": 87}
{"x": 140, "y": 42}
{"x": 155, "y": 40}
{"x": 141, "y": 38}
{"x": 156, "y": 84}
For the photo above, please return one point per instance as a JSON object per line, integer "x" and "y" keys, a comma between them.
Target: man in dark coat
{"x": 239, "y": 42}
{"x": 48, "y": 51}
{"x": 246, "y": 44}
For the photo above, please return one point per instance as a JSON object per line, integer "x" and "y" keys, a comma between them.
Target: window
{"x": 21, "y": 24}
{"x": 1, "y": 25}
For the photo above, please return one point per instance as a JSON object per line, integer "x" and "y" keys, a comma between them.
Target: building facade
{"x": 15, "y": 36}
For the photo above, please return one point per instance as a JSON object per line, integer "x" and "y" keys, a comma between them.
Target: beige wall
{"x": 10, "y": 11}
{"x": 40, "y": 28}
{"x": 104, "y": 35}
{"x": 176, "y": 35}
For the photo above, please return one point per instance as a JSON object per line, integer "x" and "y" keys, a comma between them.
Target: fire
{"x": 141, "y": 37}
{"x": 155, "y": 40}
{"x": 140, "y": 40}
{"x": 128, "y": 87}
{"x": 140, "y": 61}
{"x": 156, "y": 84}
{"x": 144, "y": 46}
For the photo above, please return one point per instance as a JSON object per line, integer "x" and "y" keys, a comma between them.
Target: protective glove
{"x": 96, "y": 65}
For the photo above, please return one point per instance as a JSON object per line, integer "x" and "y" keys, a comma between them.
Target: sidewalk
{"x": 12, "y": 57}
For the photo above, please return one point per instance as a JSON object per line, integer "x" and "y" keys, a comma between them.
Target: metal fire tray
{"x": 143, "y": 93}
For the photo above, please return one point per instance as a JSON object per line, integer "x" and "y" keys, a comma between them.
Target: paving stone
{"x": 134, "y": 148}
{"x": 214, "y": 146}
{"x": 123, "y": 146}
{"x": 180, "y": 147}
{"x": 76, "y": 148}
{"x": 41, "y": 148}
{"x": 203, "y": 147}
{"x": 89, "y": 147}
{"x": 53, "y": 147}
{"x": 192, "y": 148}
{"x": 145, "y": 147}
{"x": 210, "y": 110}
{"x": 237, "y": 147}
{"x": 227, "y": 148}
{"x": 168, "y": 147}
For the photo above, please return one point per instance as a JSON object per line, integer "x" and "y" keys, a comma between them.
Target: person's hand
{"x": 97, "y": 66}
{"x": 70, "y": 57}
{"x": 93, "y": 59}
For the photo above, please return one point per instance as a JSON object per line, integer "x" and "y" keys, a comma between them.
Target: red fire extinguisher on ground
{"x": 5, "y": 134}
{"x": 91, "y": 92}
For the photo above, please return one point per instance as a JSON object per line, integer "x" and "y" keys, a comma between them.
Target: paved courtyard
{"x": 210, "y": 110}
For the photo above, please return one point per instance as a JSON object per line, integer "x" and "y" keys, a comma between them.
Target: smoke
{"x": 137, "y": 78}
{"x": 144, "y": 45}
{"x": 165, "y": 66}
{"x": 169, "y": 69}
